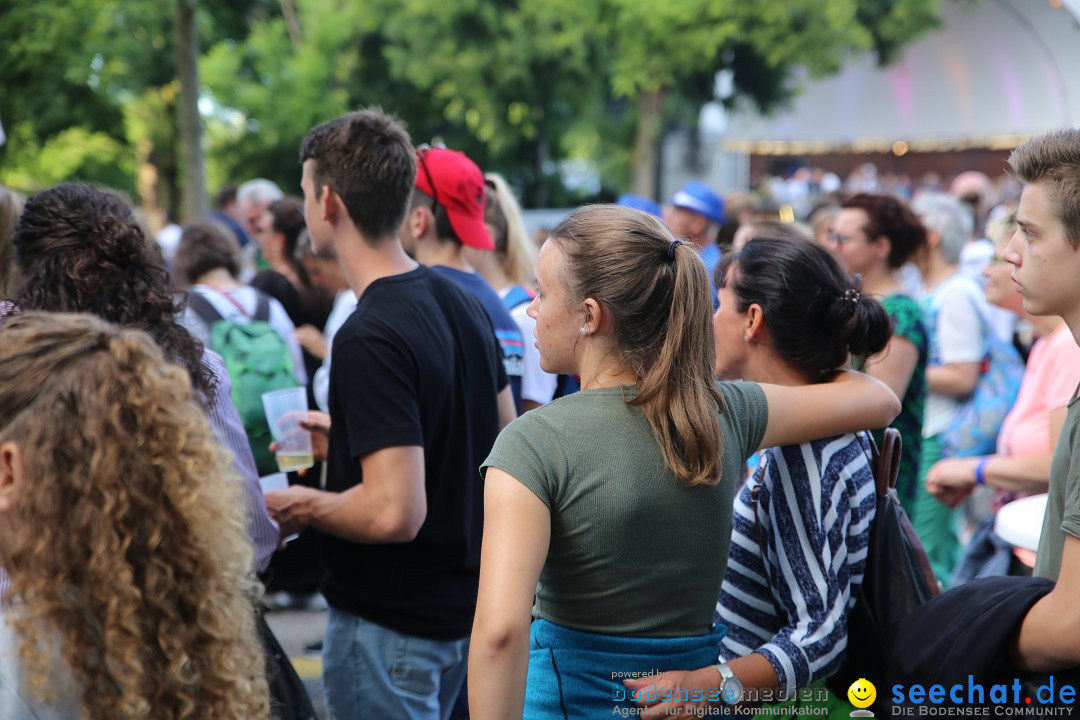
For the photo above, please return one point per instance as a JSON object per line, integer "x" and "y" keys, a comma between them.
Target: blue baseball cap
{"x": 638, "y": 202}
{"x": 698, "y": 197}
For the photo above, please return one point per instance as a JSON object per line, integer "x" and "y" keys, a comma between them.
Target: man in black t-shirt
{"x": 417, "y": 395}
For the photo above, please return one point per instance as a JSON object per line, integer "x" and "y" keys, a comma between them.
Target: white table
{"x": 1020, "y": 522}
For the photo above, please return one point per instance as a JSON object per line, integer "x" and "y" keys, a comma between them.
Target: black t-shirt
{"x": 416, "y": 363}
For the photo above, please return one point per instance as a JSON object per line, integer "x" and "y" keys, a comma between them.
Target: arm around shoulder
{"x": 851, "y": 402}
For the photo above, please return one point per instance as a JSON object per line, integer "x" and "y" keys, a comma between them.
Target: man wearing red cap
{"x": 417, "y": 396}
{"x": 446, "y": 214}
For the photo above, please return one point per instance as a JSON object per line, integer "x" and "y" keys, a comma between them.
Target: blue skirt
{"x": 576, "y": 674}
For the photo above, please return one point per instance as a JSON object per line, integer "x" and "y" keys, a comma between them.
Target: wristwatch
{"x": 731, "y": 688}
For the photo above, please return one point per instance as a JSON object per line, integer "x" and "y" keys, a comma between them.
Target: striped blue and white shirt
{"x": 815, "y": 509}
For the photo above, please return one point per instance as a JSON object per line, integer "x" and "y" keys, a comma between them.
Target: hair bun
{"x": 119, "y": 240}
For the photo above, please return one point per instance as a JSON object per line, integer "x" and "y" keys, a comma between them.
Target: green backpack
{"x": 257, "y": 359}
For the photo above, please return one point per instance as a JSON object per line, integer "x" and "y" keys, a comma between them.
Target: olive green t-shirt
{"x": 1063, "y": 501}
{"x": 633, "y": 551}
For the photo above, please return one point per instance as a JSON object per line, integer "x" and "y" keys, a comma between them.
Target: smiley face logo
{"x": 862, "y": 693}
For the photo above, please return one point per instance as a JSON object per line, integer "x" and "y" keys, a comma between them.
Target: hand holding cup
{"x": 285, "y": 409}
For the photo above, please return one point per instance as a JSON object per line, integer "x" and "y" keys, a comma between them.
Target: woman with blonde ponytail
{"x": 511, "y": 270}
{"x": 618, "y": 498}
{"x": 131, "y": 586}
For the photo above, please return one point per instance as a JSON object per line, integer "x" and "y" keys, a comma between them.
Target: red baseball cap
{"x": 459, "y": 188}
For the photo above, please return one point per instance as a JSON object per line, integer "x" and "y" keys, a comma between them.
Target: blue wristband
{"x": 980, "y": 472}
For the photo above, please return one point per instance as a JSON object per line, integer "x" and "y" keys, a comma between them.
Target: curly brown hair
{"x": 80, "y": 249}
{"x": 127, "y": 553}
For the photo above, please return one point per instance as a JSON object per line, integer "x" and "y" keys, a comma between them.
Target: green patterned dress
{"x": 907, "y": 321}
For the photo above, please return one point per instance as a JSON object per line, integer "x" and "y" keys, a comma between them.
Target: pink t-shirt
{"x": 1053, "y": 370}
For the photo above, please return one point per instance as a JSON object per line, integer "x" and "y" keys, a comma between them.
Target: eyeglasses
{"x": 835, "y": 237}
{"x": 420, "y": 153}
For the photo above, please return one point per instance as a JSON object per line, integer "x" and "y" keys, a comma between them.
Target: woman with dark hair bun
{"x": 79, "y": 248}
{"x": 875, "y": 236}
{"x": 790, "y": 316}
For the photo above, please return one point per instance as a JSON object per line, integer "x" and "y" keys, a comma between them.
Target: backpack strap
{"x": 203, "y": 308}
{"x": 887, "y": 465}
{"x": 884, "y": 461}
{"x": 262, "y": 307}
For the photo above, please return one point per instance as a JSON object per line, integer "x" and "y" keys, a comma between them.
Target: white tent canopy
{"x": 994, "y": 72}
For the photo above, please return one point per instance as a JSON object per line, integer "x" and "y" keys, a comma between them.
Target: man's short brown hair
{"x": 1053, "y": 159}
{"x": 366, "y": 157}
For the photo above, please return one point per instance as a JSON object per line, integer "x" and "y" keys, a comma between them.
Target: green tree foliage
{"x": 520, "y": 85}
{"x": 88, "y": 68}
{"x": 266, "y": 92}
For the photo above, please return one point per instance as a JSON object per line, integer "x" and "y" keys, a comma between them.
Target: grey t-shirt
{"x": 1063, "y": 502}
{"x": 16, "y": 702}
{"x": 633, "y": 551}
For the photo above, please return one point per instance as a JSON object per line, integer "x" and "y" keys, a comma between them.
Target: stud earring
{"x": 583, "y": 331}
{"x": 746, "y": 338}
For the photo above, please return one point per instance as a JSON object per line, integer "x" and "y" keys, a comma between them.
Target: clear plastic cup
{"x": 284, "y": 410}
{"x": 272, "y": 483}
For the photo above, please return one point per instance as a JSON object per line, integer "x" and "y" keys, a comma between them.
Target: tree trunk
{"x": 195, "y": 204}
{"x": 292, "y": 23}
{"x": 645, "y": 153}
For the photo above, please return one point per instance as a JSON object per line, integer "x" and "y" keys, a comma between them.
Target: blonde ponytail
{"x": 660, "y": 301}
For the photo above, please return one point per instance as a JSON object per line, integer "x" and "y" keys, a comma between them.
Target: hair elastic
{"x": 671, "y": 249}
{"x": 852, "y": 294}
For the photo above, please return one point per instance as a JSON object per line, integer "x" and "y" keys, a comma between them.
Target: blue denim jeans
{"x": 370, "y": 671}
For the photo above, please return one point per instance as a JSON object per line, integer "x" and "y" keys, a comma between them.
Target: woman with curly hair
{"x": 79, "y": 248}
{"x": 131, "y": 589}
